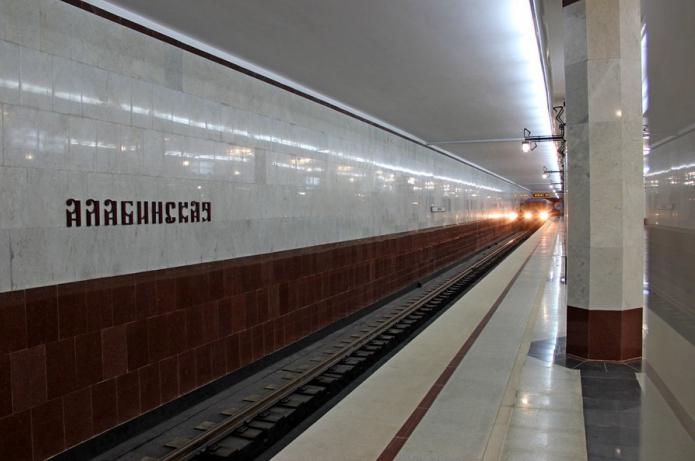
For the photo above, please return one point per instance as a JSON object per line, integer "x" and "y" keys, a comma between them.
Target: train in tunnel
{"x": 538, "y": 209}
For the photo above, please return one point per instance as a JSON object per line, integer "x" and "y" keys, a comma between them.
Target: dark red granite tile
{"x": 392, "y": 449}
{"x": 72, "y": 310}
{"x": 210, "y": 322}
{"x": 251, "y": 277}
{"x": 232, "y": 280}
{"x": 77, "y": 411}
{"x": 5, "y": 386}
{"x": 124, "y": 310}
{"x": 114, "y": 351}
{"x": 15, "y": 436}
{"x": 262, "y": 304}
{"x": 169, "y": 379}
{"x": 138, "y": 349}
{"x": 201, "y": 288}
{"x": 42, "y": 315}
{"x": 28, "y": 369}
{"x": 104, "y": 405}
{"x": 203, "y": 365}
{"x": 157, "y": 330}
{"x": 128, "y": 396}
{"x": 150, "y": 390}
{"x": 187, "y": 371}
{"x": 48, "y": 433}
{"x": 176, "y": 332}
{"x": 224, "y": 311}
{"x": 238, "y": 313}
{"x": 245, "y": 348}
{"x": 411, "y": 423}
{"x": 99, "y": 301}
{"x": 61, "y": 369}
{"x": 233, "y": 361}
{"x": 166, "y": 295}
{"x": 273, "y": 301}
{"x": 218, "y": 358}
{"x": 283, "y": 298}
{"x": 185, "y": 288}
{"x": 251, "y": 308}
{"x": 216, "y": 284}
{"x": 146, "y": 299}
{"x": 194, "y": 327}
{"x": 88, "y": 359}
{"x": 13, "y": 321}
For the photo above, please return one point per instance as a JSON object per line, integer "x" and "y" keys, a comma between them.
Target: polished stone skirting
{"x": 80, "y": 358}
{"x": 604, "y": 334}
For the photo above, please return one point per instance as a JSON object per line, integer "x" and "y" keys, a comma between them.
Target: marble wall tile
{"x": 140, "y": 119}
{"x": 575, "y": 33}
{"x": 577, "y": 89}
{"x": 604, "y": 85}
{"x": 15, "y": 189}
{"x": 5, "y": 261}
{"x": 57, "y": 31}
{"x": 118, "y": 102}
{"x": 578, "y": 280}
{"x": 20, "y": 135}
{"x": 602, "y": 19}
{"x": 67, "y": 86}
{"x": 47, "y": 190}
{"x": 9, "y": 73}
{"x": 94, "y": 92}
{"x": 605, "y": 277}
{"x": 52, "y": 140}
{"x": 631, "y": 23}
{"x": 82, "y": 144}
{"x": 19, "y": 22}
{"x": 141, "y": 99}
{"x": 35, "y": 86}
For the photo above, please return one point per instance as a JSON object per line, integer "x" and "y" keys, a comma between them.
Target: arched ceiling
{"x": 441, "y": 70}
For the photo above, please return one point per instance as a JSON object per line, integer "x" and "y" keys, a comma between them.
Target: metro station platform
{"x": 489, "y": 380}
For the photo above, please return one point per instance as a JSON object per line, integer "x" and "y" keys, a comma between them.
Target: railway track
{"x": 248, "y": 432}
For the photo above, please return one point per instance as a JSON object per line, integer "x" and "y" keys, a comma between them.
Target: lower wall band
{"x": 604, "y": 334}
{"x": 81, "y": 358}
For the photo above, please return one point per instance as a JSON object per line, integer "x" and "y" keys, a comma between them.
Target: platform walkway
{"x": 464, "y": 389}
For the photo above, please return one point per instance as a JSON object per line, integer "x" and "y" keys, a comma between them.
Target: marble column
{"x": 605, "y": 193}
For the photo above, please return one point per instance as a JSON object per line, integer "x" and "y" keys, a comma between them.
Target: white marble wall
{"x": 91, "y": 109}
{"x": 605, "y": 189}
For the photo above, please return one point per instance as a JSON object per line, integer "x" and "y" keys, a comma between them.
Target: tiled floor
{"x": 515, "y": 394}
{"x": 461, "y": 422}
{"x": 547, "y": 420}
{"x": 363, "y": 424}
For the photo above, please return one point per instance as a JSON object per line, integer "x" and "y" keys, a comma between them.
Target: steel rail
{"x": 224, "y": 429}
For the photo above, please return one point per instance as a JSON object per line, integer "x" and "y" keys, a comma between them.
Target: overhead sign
{"x": 543, "y": 195}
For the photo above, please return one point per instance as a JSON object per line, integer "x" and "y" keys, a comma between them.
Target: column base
{"x": 604, "y": 335}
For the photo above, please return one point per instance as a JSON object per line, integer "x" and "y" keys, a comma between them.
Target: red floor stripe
{"x": 406, "y": 430}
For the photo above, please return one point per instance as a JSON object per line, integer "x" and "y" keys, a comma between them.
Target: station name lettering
{"x": 93, "y": 213}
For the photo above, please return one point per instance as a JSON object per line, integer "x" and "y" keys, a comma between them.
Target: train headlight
{"x": 544, "y": 215}
{"x": 528, "y": 215}
{"x": 512, "y": 216}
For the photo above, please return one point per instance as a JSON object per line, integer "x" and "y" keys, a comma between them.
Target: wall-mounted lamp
{"x": 530, "y": 142}
{"x": 527, "y": 146}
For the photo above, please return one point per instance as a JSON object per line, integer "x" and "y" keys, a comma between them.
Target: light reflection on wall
{"x": 239, "y": 153}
